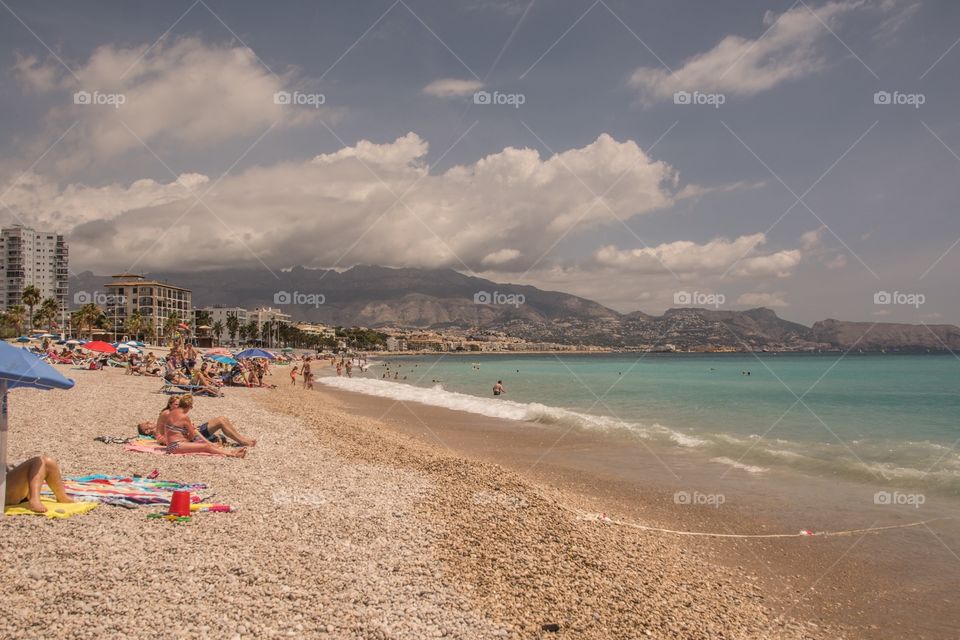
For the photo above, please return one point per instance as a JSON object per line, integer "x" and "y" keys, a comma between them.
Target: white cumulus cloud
{"x": 452, "y": 88}
{"x": 740, "y": 66}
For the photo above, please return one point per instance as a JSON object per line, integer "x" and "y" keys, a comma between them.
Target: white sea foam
{"x": 502, "y": 408}
{"x": 739, "y": 465}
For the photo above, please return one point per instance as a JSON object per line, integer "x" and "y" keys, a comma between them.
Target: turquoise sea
{"x": 888, "y": 420}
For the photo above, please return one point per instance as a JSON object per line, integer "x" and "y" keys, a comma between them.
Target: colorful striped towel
{"x": 123, "y": 491}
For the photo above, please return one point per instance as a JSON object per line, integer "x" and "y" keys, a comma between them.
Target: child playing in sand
{"x": 25, "y": 479}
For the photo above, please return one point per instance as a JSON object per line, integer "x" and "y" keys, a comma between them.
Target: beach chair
{"x": 195, "y": 389}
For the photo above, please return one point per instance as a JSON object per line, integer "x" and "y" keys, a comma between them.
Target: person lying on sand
{"x": 25, "y": 480}
{"x": 182, "y": 436}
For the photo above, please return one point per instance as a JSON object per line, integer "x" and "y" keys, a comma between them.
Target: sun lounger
{"x": 196, "y": 389}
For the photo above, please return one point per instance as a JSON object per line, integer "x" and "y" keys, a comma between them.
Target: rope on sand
{"x": 805, "y": 533}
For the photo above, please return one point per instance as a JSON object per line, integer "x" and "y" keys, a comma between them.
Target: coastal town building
{"x": 220, "y": 314}
{"x": 156, "y": 301}
{"x": 38, "y": 258}
{"x": 316, "y": 329}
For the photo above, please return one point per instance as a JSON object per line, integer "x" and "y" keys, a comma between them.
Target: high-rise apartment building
{"x": 31, "y": 257}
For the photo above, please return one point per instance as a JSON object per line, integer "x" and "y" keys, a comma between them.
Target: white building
{"x": 260, "y": 315}
{"x": 220, "y": 313}
{"x": 30, "y": 257}
{"x": 154, "y": 300}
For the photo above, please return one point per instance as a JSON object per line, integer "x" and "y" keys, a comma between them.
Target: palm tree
{"x": 170, "y": 324}
{"x": 48, "y": 312}
{"x": 89, "y": 316}
{"x": 16, "y": 315}
{"x": 218, "y": 330}
{"x": 233, "y": 326}
{"x": 146, "y": 328}
{"x": 31, "y": 297}
{"x": 252, "y": 330}
{"x": 133, "y": 323}
{"x": 266, "y": 331}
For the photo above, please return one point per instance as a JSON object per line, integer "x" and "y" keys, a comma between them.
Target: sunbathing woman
{"x": 182, "y": 437}
{"x": 151, "y": 428}
{"x": 25, "y": 479}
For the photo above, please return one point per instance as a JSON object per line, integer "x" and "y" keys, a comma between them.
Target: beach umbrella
{"x": 19, "y": 368}
{"x": 100, "y": 346}
{"x": 72, "y": 342}
{"x": 223, "y": 359}
{"x": 47, "y": 335}
{"x": 132, "y": 343}
{"x": 23, "y": 339}
{"x": 288, "y": 349}
{"x": 255, "y": 353}
{"x": 219, "y": 351}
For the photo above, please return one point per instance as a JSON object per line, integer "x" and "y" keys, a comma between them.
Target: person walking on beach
{"x": 305, "y": 372}
{"x": 498, "y": 388}
{"x": 293, "y": 375}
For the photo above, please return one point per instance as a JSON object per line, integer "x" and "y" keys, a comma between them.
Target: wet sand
{"x": 877, "y": 585}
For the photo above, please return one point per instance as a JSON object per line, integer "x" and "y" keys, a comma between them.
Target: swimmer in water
{"x": 498, "y": 388}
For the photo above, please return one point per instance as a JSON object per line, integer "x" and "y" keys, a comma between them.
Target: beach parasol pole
{"x": 3, "y": 440}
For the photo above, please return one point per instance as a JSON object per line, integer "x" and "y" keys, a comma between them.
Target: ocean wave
{"x": 921, "y": 464}
{"x": 739, "y": 465}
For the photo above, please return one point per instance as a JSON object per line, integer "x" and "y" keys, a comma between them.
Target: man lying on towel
{"x": 25, "y": 479}
{"x": 181, "y": 436}
{"x": 208, "y": 429}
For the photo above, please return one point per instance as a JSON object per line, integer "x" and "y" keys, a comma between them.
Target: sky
{"x": 802, "y": 156}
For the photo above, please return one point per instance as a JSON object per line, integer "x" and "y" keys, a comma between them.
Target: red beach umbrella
{"x": 101, "y": 346}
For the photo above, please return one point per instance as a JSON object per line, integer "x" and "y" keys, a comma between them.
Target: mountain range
{"x": 414, "y": 298}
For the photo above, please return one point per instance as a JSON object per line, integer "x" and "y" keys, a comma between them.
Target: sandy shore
{"x": 346, "y": 528}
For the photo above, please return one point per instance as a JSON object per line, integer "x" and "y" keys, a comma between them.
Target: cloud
{"x": 762, "y": 300}
{"x": 738, "y": 66}
{"x": 452, "y": 88}
{"x": 717, "y": 257}
{"x": 342, "y": 208}
{"x": 183, "y": 93}
{"x": 500, "y": 257}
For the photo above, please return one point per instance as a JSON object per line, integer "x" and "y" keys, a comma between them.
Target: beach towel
{"x": 123, "y": 491}
{"x": 54, "y": 509}
{"x": 149, "y": 445}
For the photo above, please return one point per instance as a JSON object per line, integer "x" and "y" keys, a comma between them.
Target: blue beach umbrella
{"x": 255, "y": 353}
{"x": 223, "y": 359}
{"x": 23, "y": 339}
{"x": 19, "y": 368}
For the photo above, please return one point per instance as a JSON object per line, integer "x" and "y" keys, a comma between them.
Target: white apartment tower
{"x": 30, "y": 257}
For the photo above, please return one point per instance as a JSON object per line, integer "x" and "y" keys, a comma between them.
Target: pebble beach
{"x": 343, "y": 529}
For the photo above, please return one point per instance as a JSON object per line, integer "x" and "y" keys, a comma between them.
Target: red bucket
{"x": 180, "y": 503}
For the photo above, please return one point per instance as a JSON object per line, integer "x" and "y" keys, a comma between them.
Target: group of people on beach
{"x": 305, "y": 371}
{"x": 175, "y": 430}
